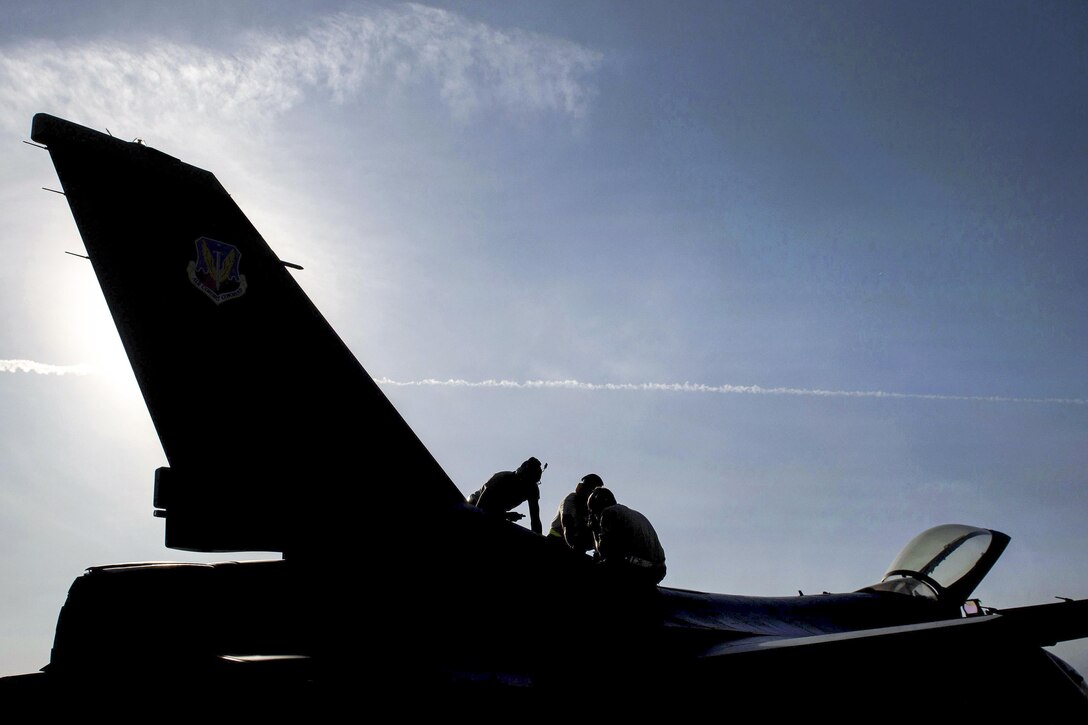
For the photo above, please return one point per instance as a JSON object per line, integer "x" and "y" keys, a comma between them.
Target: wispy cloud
{"x": 155, "y": 84}
{"x": 29, "y": 366}
{"x": 720, "y": 389}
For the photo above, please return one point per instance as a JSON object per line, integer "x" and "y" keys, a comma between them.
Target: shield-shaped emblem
{"x": 216, "y": 270}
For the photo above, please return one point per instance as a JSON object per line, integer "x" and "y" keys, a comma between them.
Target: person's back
{"x": 628, "y": 535}
{"x": 504, "y": 491}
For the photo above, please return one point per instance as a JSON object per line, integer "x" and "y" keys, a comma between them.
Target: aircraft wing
{"x": 1048, "y": 624}
{"x": 1039, "y": 625}
{"x": 968, "y": 666}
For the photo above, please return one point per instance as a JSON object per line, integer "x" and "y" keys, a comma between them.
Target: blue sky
{"x": 776, "y": 203}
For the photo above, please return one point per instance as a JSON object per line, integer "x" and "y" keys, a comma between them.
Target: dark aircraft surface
{"x": 434, "y": 607}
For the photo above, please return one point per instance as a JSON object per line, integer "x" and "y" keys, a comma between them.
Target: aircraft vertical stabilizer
{"x": 259, "y": 405}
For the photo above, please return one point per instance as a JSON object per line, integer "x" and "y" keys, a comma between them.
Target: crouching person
{"x": 625, "y": 541}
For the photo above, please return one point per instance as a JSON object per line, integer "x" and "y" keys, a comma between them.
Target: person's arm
{"x": 534, "y": 515}
{"x": 576, "y": 531}
{"x": 571, "y": 531}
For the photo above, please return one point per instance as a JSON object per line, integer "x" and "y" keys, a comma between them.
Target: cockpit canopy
{"x": 944, "y": 563}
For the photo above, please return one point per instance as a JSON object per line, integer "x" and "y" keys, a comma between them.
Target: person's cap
{"x": 592, "y": 480}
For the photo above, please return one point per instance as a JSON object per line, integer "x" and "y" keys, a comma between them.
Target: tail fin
{"x": 270, "y": 424}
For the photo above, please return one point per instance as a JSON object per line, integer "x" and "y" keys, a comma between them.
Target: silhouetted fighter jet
{"x": 278, "y": 440}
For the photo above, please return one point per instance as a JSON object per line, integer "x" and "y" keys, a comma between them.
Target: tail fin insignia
{"x": 216, "y": 270}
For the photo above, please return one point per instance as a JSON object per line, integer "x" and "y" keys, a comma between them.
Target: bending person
{"x": 626, "y": 542}
{"x": 571, "y": 522}
{"x": 507, "y": 490}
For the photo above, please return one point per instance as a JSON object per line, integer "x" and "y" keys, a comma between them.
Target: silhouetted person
{"x": 571, "y": 522}
{"x": 507, "y": 490}
{"x": 625, "y": 541}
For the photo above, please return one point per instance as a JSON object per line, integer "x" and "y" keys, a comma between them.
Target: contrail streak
{"x": 721, "y": 389}
{"x": 29, "y": 366}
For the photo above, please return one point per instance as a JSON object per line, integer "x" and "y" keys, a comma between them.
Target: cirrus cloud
{"x": 472, "y": 67}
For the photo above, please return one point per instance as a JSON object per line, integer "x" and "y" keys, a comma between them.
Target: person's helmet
{"x": 599, "y": 500}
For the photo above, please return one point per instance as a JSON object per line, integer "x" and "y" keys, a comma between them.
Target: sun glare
{"x": 89, "y": 336}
